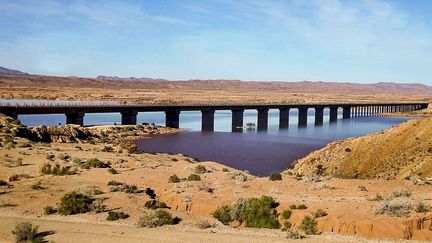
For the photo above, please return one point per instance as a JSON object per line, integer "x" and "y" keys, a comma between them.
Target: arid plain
{"x": 360, "y": 202}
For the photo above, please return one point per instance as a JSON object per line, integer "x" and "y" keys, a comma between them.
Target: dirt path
{"x": 90, "y": 232}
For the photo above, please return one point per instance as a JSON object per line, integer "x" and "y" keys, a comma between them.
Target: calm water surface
{"x": 262, "y": 153}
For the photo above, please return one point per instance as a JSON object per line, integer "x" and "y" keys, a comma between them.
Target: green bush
{"x": 194, "y": 177}
{"x": 95, "y": 163}
{"x": 287, "y": 225}
{"x": 25, "y": 232}
{"x": 57, "y": 170}
{"x": 200, "y": 169}
{"x": 309, "y": 225}
{"x": 157, "y": 218}
{"x": 74, "y": 203}
{"x": 125, "y": 188}
{"x": 319, "y": 213}
{"x": 260, "y": 213}
{"x": 112, "y": 171}
{"x": 155, "y": 204}
{"x": 223, "y": 214}
{"x": 275, "y": 177}
{"x": 112, "y": 216}
{"x": 286, "y": 214}
{"x": 49, "y": 210}
{"x": 301, "y": 207}
{"x": 174, "y": 179}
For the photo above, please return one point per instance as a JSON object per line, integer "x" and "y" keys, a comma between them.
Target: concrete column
{"x": 172, "y": 118}
{"x": 302, "y": 116}
{"x": 237, "y": 120}
{"x": 263, "y": 119}
{"x": 346, "y": 112}
{"x": 75, "y": 118}
{"x": 333, "y": 113}
{"x": 283, "y": 118}
{"x": 129, "y": 117}
{"x": 319, "y": 115}
{"x": 207, "y": 120}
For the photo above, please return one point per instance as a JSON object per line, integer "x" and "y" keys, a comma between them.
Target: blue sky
{"x": 330, "y": 40}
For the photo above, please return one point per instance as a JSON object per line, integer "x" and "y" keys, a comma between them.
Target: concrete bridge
{"x": 75, "y": 113}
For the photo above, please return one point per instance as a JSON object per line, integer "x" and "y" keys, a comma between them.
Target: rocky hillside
{"x": 401, "y": 152}
{"x": 10, "y": 72}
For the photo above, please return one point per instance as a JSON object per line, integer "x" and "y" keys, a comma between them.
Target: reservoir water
{"x": 261, "y": 153}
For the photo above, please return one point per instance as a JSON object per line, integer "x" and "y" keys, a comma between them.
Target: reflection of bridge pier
{"x": 75, "y": 114}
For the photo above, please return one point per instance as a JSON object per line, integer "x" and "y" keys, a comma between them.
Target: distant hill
{"x": 10, "y": 72}
{"x": 14, "y": 78}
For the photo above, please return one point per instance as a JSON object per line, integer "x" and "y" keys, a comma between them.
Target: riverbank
{"x": 350, "y": 205}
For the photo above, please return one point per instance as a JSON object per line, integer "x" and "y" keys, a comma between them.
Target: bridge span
{"x": 75, "y": 113}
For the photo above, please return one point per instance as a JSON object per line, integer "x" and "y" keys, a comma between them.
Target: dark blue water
{"x": 262, "y": 153}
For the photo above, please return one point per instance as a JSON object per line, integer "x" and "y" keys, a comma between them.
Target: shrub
{"x": 157, "y": 218}
{"x": 204, "y": 224}
{"x": 3, "y": 183}
{"x": 174, "y": 179}
{"x": 107, "y": 149}
{"x": 223, "y": 214}
{"x": 377, "y": 197}
{"x": 112, "y": 216}
{"x": 37, "y": 186}
{"x": 286, "y": 214}
{"x": 260, "y": 213}
{"x": 287, "y": 225}
{"x": 200, "y": 169}
{"x": 89, "y": 190}
{"x": 309, "y": 225}
{"x": 17, "y": 177}
{"x": 125, "y": 188}
{"x": 114, "y": 183}
{"x": 50, "y": 156}
{"x": 49, "y": 210}
{"x": 98, "y": 206}
{"x": 421, "y": 207}
{"x": 74, "y": 203}
{"x": 238, "y": 211}
{"x": 275, "y": 177}
{"x": 64, "y": 157}
{"x": 301, "y": 207}
{"x": 401, "y": 193}
{"x": 293, "y": 234}
{"x": 57, "y": 170}
{"x": 112, "y": 171}
{"x": 394, "y": 207}
{"x": 155, "y": 204}
{"x": 362, "y": 188}
{"x": 293, "y": 206}
{"x": 194, "y": 177}
{"x": 95, "y": 163}
{"x": 25, "y": 232}
{"x": 225, "y": 170}
{"x": 319, "y": 213}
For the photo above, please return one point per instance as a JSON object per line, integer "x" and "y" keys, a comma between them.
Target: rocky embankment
{"x": 400, "y": 152}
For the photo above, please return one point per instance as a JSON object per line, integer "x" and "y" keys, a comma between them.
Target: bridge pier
{"x": 283, "y": 118}
{"x": 237, "y": 120}
{"x": 75, "y": 118}
{"x": 128, "y": 117}
{"x": 333, "y": 113}
{"x": 207, "y": 120}
{"x": 172, "y": 118}
{"x": 302, "y": 116}
{"x": 263, "y": 119}
{"x": 346, "y": 112}
{"x": 319, "y": 115}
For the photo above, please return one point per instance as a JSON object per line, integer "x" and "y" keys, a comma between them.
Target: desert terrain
{"x": 360, "y": 209}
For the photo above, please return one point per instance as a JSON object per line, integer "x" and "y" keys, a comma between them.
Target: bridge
{"x": 75, "y": 113}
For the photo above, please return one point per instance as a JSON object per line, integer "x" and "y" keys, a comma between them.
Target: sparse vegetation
{"x": 174, "y": 179}
{"x": 225, "y": 170}
{"x": 49, "y": 210}
{"x": 394, "y": 207}
{"x": 362, "y": 188}
{"x": 286, "y": 214}
{"x": 16, "y": 177}
{"x": 57, "y": 170}
{"x": 107, "y": 149}
{"x": 293, "y": 234}
{"x": 3, "y": 183}
{"x": 89, "y": 190}
{"x": 98, "y": 206}
{"x": 301, "y": 207}
{"x": 204, "y": 224}
{"x": 114, "y": 183}
{"x": 401, "y": 193}
{"x": 309, "y": 225}
{"x": 200, "y": 169}
{"x": 194, "y": 177}
{"x": 421, "y": 207}
{"x": 125, "y": 188}
{"x": 95, "y": 163}
{"x": 75, "y": 203}
{"x": 155, "y": 204}
{"x": 275, "y": 177}
{"x": 37, "y": 186}
{"x": 26, "y": 232}
{"x": 156, "y": 218}
{"x": 113, "y": 171}
{"x": 319, "y": 213}
{"x": 113, "y": 215}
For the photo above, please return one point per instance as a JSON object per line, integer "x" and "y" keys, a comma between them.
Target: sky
{"x": 363, "y": 41}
